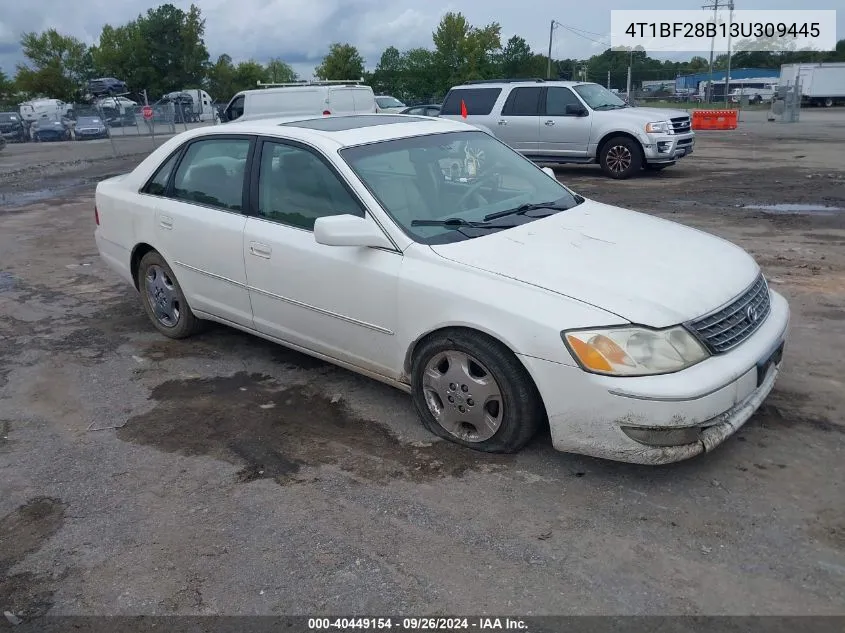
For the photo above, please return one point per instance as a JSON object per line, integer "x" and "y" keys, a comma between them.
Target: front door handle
{"x": 503, "y": 122}
{"x": 165, "y": 222}
{"x": 260, "y": 250}
{"x": 550, "y": 122}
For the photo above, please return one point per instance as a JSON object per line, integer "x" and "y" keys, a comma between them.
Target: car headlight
{"x": 659, "y": 127}
{"x": 634, "y": 351}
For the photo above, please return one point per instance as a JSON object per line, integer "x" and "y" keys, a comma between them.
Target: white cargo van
{"x": 53, "y": 109}
{"x": 303, "y": 98}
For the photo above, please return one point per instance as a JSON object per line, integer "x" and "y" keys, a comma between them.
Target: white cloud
{"x": 300, "y": 31}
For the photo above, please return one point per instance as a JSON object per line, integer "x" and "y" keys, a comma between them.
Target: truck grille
{"x": 729, "y": 326}
{"x": 681, "y": 124}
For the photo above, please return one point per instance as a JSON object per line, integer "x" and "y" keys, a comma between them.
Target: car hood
{"x": 642, "y": 268}
{"x": 652, "y": 114}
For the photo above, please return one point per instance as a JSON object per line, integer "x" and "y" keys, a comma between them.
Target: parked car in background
{"x": 573, "y": 122}
{"x": 11, "y": 127}
{"x": 90, "y": 127}
{"x": 386, "y": 103}
{"x": 45, "y": 130}
{"x": 501, "y": 300}
{"x": 422, "y": 110}
{"x": 54, "y": 109}
{"x": 303, "y": 98}
{"x": 106, "y": 86}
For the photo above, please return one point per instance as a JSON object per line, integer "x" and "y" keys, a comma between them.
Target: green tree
{"x": 221, "y": 78}
{"x": 7, "y": 87}
{"x": 280, "y": 72}
{"x": 57, "y": 65}
{"x": 161, "y": 51}
{"x": 463, "y": 52}
{"x": 342, "y": 62}
{"x": 247, "y": 75}
{"x": 518, "y": 60}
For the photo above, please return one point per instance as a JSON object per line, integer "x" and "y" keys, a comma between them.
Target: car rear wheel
{"x": 163, "y": 299}
{"x": 621, "y": 157}
{"x": 470, "y": 389}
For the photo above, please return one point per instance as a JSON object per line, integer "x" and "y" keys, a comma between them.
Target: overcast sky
{"x": 300, "y": 31}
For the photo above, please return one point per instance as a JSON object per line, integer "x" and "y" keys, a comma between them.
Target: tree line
{"x": 164, "y": 50}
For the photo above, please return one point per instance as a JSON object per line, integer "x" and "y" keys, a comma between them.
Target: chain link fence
{"x": 121, "y": 126}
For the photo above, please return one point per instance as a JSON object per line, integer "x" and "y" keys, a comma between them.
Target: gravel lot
{"x": 223, "y": 474}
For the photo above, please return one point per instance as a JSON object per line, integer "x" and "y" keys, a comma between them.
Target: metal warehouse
{"x": 690, "y": 82}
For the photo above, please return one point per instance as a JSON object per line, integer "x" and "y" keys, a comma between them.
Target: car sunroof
{"x": 341, "y": 123}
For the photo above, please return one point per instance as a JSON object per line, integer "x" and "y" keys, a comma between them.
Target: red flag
{"x": 463, "y": 109}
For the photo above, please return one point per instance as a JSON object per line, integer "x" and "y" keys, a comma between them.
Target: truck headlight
{"x": 634, "y": 351}
{"x": 659, "y": 127}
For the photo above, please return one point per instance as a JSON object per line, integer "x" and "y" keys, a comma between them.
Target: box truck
{"x": 821, "y": 84}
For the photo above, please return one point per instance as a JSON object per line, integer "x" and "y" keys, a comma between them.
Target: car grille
{"x": 7, "y": 128}
{"x": 681, "y": 124}
{"x": 726, "y": 328}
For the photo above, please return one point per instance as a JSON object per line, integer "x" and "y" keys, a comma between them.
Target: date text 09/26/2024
{"x": 417, "y": 624}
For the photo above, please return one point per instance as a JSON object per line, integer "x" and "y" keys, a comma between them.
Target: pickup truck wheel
{"x": 472, "y": 390}
{"x": 621, "y": 157}
{"x": 163, "y": 299}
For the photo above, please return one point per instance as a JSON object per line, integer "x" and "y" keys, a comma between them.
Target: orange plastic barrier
{"x": 714, "y": 119}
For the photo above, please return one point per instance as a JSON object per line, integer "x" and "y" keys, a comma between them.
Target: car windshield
{"x": 599, "y": 98}
{"x": 442, "y": 188}
{"x": 389, "y": 102}
{"x": 8, "y": 116}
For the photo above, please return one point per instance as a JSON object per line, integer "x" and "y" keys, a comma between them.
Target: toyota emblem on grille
{"x": 751, "y": 314}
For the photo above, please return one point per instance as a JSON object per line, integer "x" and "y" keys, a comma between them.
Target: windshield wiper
{"x": 523, "y": 209}
{"x": 459, "y": 223}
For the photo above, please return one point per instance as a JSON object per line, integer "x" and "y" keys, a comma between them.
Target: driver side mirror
{"x": 575, "y": 110}
{"x": 350, "y": 230}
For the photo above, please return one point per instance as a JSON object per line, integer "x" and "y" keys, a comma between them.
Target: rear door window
{"x": 523, "y": 102}
{"x": 479, "y": 101}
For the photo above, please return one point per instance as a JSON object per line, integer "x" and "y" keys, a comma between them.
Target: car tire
{"x": 466, "y": 366}
{"x": 171, "y": 315}
{"x": 621, "y": 157}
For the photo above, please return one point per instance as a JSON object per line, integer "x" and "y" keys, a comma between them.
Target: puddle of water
{"x": 795, "y": 208}
{"x": 274, "y": 432}
{"x": 21, "y": 198}
{"x": 7, "y": 281}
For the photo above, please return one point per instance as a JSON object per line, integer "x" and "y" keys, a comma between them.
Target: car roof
{"x": 520, "y": 84}
{"x": 336, "y": 132}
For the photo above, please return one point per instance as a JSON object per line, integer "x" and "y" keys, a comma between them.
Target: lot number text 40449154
{"x": 417, "y": 624}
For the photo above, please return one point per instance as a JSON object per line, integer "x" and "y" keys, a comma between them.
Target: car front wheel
{"x": 621, "y": 157}
{"x": 472, "y": 390}
{"x": 163, "y": 299}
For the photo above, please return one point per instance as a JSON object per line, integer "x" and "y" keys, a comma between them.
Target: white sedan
{"x": 429, "y": 255}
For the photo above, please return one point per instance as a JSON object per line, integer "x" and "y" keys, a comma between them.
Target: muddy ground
{"x": 223, "y": 474}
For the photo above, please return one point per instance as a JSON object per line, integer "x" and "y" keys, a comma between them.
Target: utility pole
{"x": 552, "y": 26}
{"x": 630, "y": 63}
{"x": 608, "y": 80}
{"x": 715, "y": 7}
{"x": 728, "y": 74}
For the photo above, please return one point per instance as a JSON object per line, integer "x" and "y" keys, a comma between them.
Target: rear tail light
{"x": 326, "y": 113}
{"x": 96, "y": 216}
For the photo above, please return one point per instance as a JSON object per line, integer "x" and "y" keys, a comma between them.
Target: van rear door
{"x": 342, "y": 100}
{"x": 365, "y": 99}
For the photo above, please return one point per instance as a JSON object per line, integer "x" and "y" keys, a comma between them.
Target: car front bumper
{"x": 668, "y": 148}
{"x": 594, "y": 415}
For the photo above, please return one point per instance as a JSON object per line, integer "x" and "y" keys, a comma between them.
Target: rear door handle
{"x": 165, "y": 222}
{"x": 550, "y": 122}
{"x": 503, "y": 122}
{"x": 260, "y": 250}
